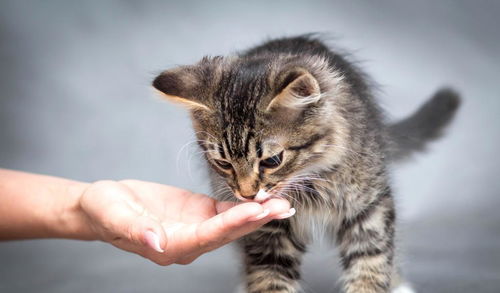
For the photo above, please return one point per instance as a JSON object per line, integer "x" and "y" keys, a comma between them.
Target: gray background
{"x": 75, "y": 101}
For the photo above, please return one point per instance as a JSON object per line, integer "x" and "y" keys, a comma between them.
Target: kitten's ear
{"x": 297, "y": 88}
{"x": 182, "y": 85}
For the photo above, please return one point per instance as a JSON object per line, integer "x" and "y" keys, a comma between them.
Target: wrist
{"x": 71, "y": 221}
{"x": 40, "y": 206}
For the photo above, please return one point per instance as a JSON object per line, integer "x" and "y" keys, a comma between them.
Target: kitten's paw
{"x": 403, "y": 288}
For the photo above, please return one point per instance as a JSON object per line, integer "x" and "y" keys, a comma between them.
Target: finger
{"x": 277, "y": 207}
{"x": 219, "y": 230}
{"x": 233, "y": 224}
{"x": 187, "y": 242}
{"x": 222, "y": 206}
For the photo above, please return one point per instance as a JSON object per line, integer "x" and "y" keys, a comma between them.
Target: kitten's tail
{"x": 412, "y": 134}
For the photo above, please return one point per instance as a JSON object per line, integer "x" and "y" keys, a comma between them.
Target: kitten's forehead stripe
{"x": 238, "y": 95}
{"x": 250, "y": 135}
{"x": 226, "y": 143}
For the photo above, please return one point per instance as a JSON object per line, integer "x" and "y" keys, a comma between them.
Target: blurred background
{"x": 76, "y": 102}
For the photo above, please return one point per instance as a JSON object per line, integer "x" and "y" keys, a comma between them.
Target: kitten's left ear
{"x": 297, "y": 88}
{"x": 183, "y": 85}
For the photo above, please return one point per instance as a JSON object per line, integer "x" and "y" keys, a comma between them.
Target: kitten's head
{"x": 265, "y": 124}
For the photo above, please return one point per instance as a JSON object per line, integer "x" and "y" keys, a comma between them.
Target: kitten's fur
{"x": 299, "y": 103}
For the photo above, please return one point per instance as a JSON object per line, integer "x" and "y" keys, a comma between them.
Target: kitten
{"x": 291, "y": 118}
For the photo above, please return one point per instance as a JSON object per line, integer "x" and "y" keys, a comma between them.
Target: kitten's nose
{"x": 249, "y": 196}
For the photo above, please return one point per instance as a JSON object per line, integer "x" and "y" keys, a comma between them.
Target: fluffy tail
{"x": 412, "y": 134}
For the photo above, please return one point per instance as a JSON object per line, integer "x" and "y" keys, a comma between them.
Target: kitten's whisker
{"x": 279, "y": 190}
{"x": 222, "y": 190}
{"x": 184, "y": 147}
{"x": 294, "y": 202}
{"x": 179, "y": 153}
{"x": 299, "y": 182}
{"x": 190, "y": 157}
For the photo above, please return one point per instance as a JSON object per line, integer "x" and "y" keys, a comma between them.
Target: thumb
{"x": 135, "y": 226}
{"x": 147, "y": 231}
{"x": 119, "y": 218}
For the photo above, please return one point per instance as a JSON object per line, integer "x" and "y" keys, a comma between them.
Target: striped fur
{"x": 293, "y": 119}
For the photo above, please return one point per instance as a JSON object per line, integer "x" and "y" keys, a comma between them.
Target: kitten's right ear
{"x": 296, "y": 89}
{"x": 182, "y": 85}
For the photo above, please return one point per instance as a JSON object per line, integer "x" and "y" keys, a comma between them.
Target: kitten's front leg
{"x": 272, "y": 258}
{"x": 366, "y": 243}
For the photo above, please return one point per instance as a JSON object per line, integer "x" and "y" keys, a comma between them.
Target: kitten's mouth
{"x": 261, "y": 196}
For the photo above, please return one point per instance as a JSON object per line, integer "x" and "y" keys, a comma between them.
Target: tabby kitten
{"x": 291, "y": 118}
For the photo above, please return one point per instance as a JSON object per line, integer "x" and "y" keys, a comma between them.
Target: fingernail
{"x": 262, "y": 215}
{"x": 290, "y": 213}
{"x": 153, "y": 241}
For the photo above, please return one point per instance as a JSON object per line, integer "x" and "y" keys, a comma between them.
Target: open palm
{"x": 132, "y": 214}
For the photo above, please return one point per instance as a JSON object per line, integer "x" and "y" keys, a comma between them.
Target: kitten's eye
{"x": 223, "y": 164}
{"x": 272, "y": 162}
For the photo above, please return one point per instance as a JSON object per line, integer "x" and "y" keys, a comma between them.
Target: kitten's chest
{"x": 319, "y": 209}
{"x": 315, "y": 223}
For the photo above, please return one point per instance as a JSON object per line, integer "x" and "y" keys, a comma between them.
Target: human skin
{"x": 162, "y": 223}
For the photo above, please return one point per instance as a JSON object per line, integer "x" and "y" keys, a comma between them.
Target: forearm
{"x": 38, "y": 206}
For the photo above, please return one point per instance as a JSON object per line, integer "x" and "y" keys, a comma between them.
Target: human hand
{"x": 169, "y": 225}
